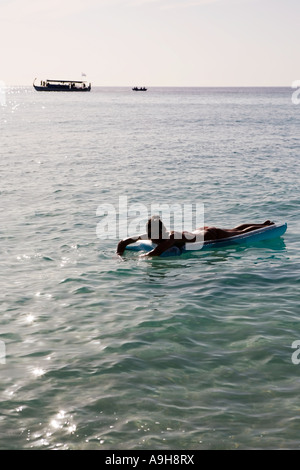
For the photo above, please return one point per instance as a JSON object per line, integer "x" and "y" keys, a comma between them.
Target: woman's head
{"x": 156, "y": 229}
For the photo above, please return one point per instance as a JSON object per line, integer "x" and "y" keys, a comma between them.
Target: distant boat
{"x": 139, "y": 89}
{"x": 62, "y": 85}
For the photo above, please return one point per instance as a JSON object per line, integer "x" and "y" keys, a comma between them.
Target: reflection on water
{"x": 162, "y": 265}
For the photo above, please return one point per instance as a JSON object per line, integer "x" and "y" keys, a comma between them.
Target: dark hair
{"x": 155, "y": 228}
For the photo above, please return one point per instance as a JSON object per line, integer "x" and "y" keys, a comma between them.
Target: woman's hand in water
{"x": 145, "y": 255}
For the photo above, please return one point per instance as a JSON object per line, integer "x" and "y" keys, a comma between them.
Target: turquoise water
{"x": 192, "y": 352}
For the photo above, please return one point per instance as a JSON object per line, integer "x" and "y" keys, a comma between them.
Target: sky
{"x": 151, "y": 42}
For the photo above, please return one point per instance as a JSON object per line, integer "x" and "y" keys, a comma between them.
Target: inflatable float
{"x": 266, "y": 233}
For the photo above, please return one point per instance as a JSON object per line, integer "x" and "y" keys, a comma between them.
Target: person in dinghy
{"x": 164, "y": 239}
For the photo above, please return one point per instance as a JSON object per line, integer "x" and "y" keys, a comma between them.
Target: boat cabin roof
{"x": 65, "y": 81}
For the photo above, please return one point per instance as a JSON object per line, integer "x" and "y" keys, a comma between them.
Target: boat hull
{"x": 61, "y": 88}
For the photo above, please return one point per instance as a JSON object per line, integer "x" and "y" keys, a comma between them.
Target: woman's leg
{"x": 214, "y": 233}
{"x": 245, "y": 226}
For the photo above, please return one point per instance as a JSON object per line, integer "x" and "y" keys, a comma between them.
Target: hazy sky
{"x": 151, "y": 42}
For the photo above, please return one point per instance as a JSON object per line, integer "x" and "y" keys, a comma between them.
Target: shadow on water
{"x": 273, "y": 245}
{"x": 161, "y": 267}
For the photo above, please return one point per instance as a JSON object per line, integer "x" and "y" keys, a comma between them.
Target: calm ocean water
{"x": 191, "y": 352}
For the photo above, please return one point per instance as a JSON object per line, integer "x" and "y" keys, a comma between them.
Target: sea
{"x": 193, "y": 352}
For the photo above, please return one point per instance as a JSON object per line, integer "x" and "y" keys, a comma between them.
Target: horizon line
{"x": 170, "y": 86}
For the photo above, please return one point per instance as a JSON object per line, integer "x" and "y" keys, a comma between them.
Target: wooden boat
{"x": 62, "y": 85}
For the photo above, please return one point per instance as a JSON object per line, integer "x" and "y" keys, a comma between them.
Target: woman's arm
{"x": 176, "y": 238}
{"x": 128, "y": 241}
{"x": 123, "y": 243}
{"x": 159, "y": 249}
